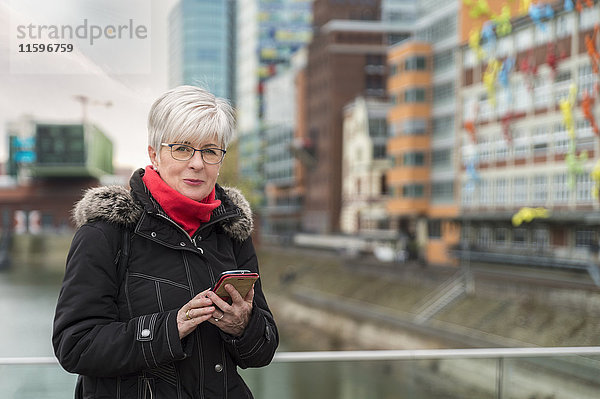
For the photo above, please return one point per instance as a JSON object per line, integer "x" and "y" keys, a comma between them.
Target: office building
{"x": 202, "y": 45}
{"x": 269, "y": 33}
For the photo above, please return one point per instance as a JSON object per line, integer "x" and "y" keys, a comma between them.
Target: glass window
{"x": 584, "y": 186}
{"x": 586, "y": 80}
{"x": 545, "y": 34}
{"x": 442, "y": 191}
{"x": 443, "y": 60}
{"x": 560, "y": 188}
{"x": 414, "y": 126}
{"x": 434, "y": 228}
{"x": 442, "y": 126}
{"x": 522, "y": 98}
{"x": 443, "y": 92}
{"x": 501, "y": 191}
{"x": 379, "y": 151}
{"x": 564, "y": 25}
{"x": 524, "y": 39}
{"x": 485, "y": 192}
{"x": 588, "y": 18}
{"x": 416, "y": 95}
{"x": 540, "y": 189}
{"x": 501, "y": 236}
{"x": 505, "y": 46}
{"x": 561, "y": 139}
{"x": 467, "y": 194}
{"x": 413, "y": 190}
{"x": 470, "y": 59}
{"x": 519, "y": 238}
{"x": 414, "y": 159}
{"x": 583, "y": 238}
{"x": 540, "y": 239}
{"x": 484, "y": 238}
{"x": 378, "y": 127}
{"x": 520, "y": 190}
{"x": 484, "y": 149}
{"x": 502, "y": 149}
{"x": 416, "y": 63}
{"x": 441, "y": 159}
{"x": 521, "y": 144}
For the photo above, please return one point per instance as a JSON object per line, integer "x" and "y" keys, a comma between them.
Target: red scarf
{"x": 186, "y": 212}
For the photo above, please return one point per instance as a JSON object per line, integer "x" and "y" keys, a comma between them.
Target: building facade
{"x": 422, "y": 84}
{"x": 269, "y": 33}
{"x": 202, "y": 45}
{"x": 364, "y": 167}
{"x": 51, "y": 165}
{"x": 527, "y": 146}
{"x": 346, "y": 59}
{"x": 283, "y": 171}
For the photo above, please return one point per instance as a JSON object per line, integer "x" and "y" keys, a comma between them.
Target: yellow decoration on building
{"x": 596, "y": 179}
{"x": 528, "y": 214}
{"x": 503, "y": 25}
{"x": 478, "y": 8}
{"x": 489, "y": 80}
{"x": 474, "y": 39}
{"x": 524, "y": 7}
{"x": 566, "y": 107}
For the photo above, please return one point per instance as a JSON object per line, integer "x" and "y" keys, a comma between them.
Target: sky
{"x": 129, "y": 74}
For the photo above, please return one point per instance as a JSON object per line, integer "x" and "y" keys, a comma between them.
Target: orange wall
{"x": 441, "y": 211}
{"x": 420, "y": 110}
{"x": 407, "y": 175}
{"x": 401, "y": 144}
{"x": 407, "y": 206}
{"x": 401, "y": 51}
{"x": 409, "y": 79}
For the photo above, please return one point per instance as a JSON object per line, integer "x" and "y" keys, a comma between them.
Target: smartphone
{"x": 242, "y": 280}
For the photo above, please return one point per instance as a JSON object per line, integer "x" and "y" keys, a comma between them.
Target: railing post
{"x": 500, "y": 378}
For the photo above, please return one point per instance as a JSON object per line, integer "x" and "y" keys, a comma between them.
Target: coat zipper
{"x": 212, "y": 278}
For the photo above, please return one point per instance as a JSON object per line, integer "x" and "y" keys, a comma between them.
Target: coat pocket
{"x": 149, "y": 294}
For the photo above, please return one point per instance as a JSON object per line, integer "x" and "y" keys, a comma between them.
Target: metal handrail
{"x": 418, "y": 354}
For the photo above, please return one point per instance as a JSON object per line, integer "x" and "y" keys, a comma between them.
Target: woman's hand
{"x": 232, "y": 319}
{"x": 197, "y": 310}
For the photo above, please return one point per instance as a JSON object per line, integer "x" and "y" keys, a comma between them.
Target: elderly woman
{"x": 136, "y": 317}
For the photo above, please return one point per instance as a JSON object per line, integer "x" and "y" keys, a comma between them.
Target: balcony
{"x": 407, "y": 206}
{"x": 561, "y": 372}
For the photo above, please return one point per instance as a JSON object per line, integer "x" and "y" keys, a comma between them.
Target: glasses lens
{"x": 212, "y": 155}
{"x": 182, "y": 152}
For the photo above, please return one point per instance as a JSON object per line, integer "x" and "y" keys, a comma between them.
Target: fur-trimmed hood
{"x": 116, "y": 205}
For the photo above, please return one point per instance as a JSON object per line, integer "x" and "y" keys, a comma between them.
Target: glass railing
{"x": 564, "y": 372}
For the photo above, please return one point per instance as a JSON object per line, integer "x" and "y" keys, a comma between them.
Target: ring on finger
{"x": 219, "y": 318}
{"x": 187, "y": 314}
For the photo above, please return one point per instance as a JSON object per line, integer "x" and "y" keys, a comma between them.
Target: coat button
{"x": 218, "y": 368}
{"x": 182, "y": 244}
{"x": 153, "y": 234}
{"x": 145, "y": 333}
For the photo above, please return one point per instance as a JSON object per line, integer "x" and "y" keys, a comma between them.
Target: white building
{"x": 364, "y": 164}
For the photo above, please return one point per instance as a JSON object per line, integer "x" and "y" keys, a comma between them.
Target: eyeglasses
{"x": 184, "y": 152}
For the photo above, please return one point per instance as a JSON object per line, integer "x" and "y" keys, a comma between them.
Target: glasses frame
{"x": 201, "y": 151}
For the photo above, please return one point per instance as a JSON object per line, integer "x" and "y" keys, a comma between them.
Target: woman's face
{"x": 193, "y": 178}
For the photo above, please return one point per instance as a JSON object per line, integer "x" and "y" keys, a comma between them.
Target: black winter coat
{"x": 118, "y": 329}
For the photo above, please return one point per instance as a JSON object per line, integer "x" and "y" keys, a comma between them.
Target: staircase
{"x": 443, "y": 296}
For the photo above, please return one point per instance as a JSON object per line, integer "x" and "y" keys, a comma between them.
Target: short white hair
{"x": 190, "y": 114}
